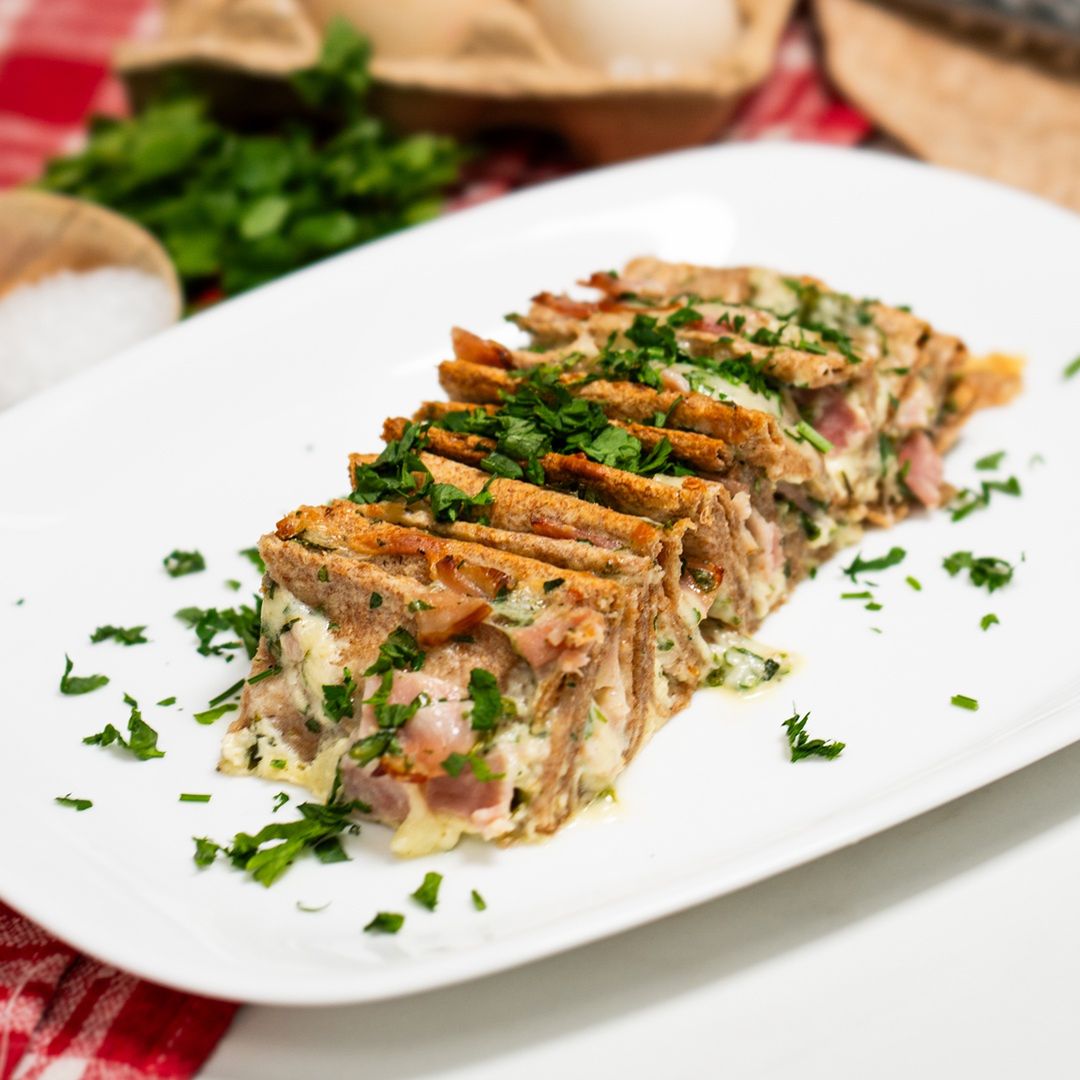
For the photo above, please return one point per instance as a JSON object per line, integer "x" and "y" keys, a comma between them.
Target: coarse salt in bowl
{"x": 65, "y": 322}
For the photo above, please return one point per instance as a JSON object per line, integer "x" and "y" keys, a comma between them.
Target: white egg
{"x": 630, "y": 38}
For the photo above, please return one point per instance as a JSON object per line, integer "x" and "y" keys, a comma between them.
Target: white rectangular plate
{"x": 205, "y": 435}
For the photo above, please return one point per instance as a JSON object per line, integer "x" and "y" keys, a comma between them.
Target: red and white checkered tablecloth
{"x": 63, "y": 1015}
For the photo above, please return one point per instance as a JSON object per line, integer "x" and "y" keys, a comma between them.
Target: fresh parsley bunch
{"x": 235, "y": 209}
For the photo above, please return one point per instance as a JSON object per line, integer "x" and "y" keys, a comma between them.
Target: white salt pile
{"x": 59, "y": 325}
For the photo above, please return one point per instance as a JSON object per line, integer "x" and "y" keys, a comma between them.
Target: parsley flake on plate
{"x": 989, "y": 620}
{"x": 962, "y": 701}
{"x": 986, "y": 570}
{"x": 253, "y": 556}
{"x": 990, "y": 462}
{"x": 802, "y": 746}
{"x": 189, "y": 797}
{"x": 478, "y": 901}
{"x": 209, "y": 716}
{"x": 178, "y": 563}
{"x": 385, "y": 922}
{"x": 427, "y": 895}
{"x": 142, "y": 738}
{"x": 75, "y": 804}
{"x": 242, "y": 621}
{"x": 1072, "y": 368}
{"x": 132, "y": 635}
{"x": 861, "y": 566}
{"x": 316, "y": 831}
{"x": 79, "y": 684}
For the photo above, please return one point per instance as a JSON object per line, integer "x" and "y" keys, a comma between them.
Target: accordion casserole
{"x": 531, "y": 578}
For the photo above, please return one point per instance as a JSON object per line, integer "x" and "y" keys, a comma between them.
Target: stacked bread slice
{"x": 533, "y": 576}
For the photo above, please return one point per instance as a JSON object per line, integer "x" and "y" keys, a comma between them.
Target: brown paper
{"x": 957, "y": 103}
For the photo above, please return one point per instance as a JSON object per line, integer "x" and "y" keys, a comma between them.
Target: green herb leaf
{"x": 456, "y": 763}
{"x": 79, "y": 684}
{"x": 132, "y": 635}
{"x": 399, "y": 652}
{"x": 811, "y": 435}
{"x": 375, "y": 601}
{"x": 266, "y": 673}
{"x": 962, "y": 701}
{"x": 337, "y": 700}
{"x": 243, "y": 621}
{"x": 75, "y": 804}
{"x": 914, "y": 583}
{"x": 488, "y": 704}
{"x": 478, "y": 901}
{"x": 208, "y": 716}
{"x": 179, "y": 563}
{"x": 385, "y": 922}
{"x": 986, "y": 571}
{"x": 165, "y": 701}
{"x": 990, "y": 462}
{"x": 989, "y": 620}
{"x": 427, "y": 895}
{"x": 142, "y": 738}
{"x": 188, "y": 797}
{"x": 862, "y": 566}
{"x": 1072, "y": 368}
{"x": 206, "y": 851}
{"x": 253, "y": 556}
{"x": 802, "y": 746}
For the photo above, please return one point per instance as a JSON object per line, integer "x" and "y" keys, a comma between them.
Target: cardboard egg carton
{"x": 493, "y": 67}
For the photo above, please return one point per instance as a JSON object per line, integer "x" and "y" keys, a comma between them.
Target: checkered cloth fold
{"x": 64, "y": 1016}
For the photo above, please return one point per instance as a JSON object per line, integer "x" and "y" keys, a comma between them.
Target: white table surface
{"x": 946, "y": 947}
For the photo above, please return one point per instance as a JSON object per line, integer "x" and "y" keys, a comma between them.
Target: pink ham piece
{"x": 485, "y": 803}
{"x": 433, "y": 732}
{"x": 385, "y": 795}
{"x": 836, "y": 420}
{"x": 565, "y": 636}
{"x": 925, "y": 471}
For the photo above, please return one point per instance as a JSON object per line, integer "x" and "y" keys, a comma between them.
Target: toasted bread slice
{"x": 552, "y": 645}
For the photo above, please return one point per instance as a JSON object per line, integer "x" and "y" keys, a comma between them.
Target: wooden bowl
{"x": 45, "y": 233}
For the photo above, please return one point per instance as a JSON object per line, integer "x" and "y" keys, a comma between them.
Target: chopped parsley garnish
{"x": 317, "y": 830}
{"x": 256, "y": 560}
{"x": 1072, "y": 368}
{"x": 233, "y": 584}
{"x": 208, "y": 716}
{"x": 375, "y": 601}
{"x": 79, "y": 684}
{"x": 986, "y": 570}
{"x": 966, "y": 501}
{"x": 418, "y": 605}
{"x": 280, "y": 799}
{"x": 427, "y": 895}
{"x": 857, "y": 596}
{"x": 338, "y": 699}
{"x": 478, "y": 901}
{"x": 542, "y": 416}
{"x": 323, "y": 574}
{"x": 385, "y": 922}
{"x": 862, "y": 566}
{"x": 188, "y": 797}
{"x": 75, "y": 804}
{"x": 266, "y": 673}
{"x": 142, "y": 738}
{"x": 990, "y": 462}
{"x": 962, "y": 701}
{"x": 802, "y": 746}
{"x": 397, "y": 473}
{"x": 553, "y": 584}
{"x": 488, "y": 705}
{"x": 915, "y": 583}
{"x": 804, "y": 432}
{"x": 243, "y": 621}
{"x": 399, "y": 652}
{"x": 166, "y": 701}
{"x": 227, "y": 693}
{"x": 989, "y": 620}
{"x": 179, "y": 563}
{"x": 132, "y": 635}
{"x": 456, "y": 763}
{"x": 448, "y": 503}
